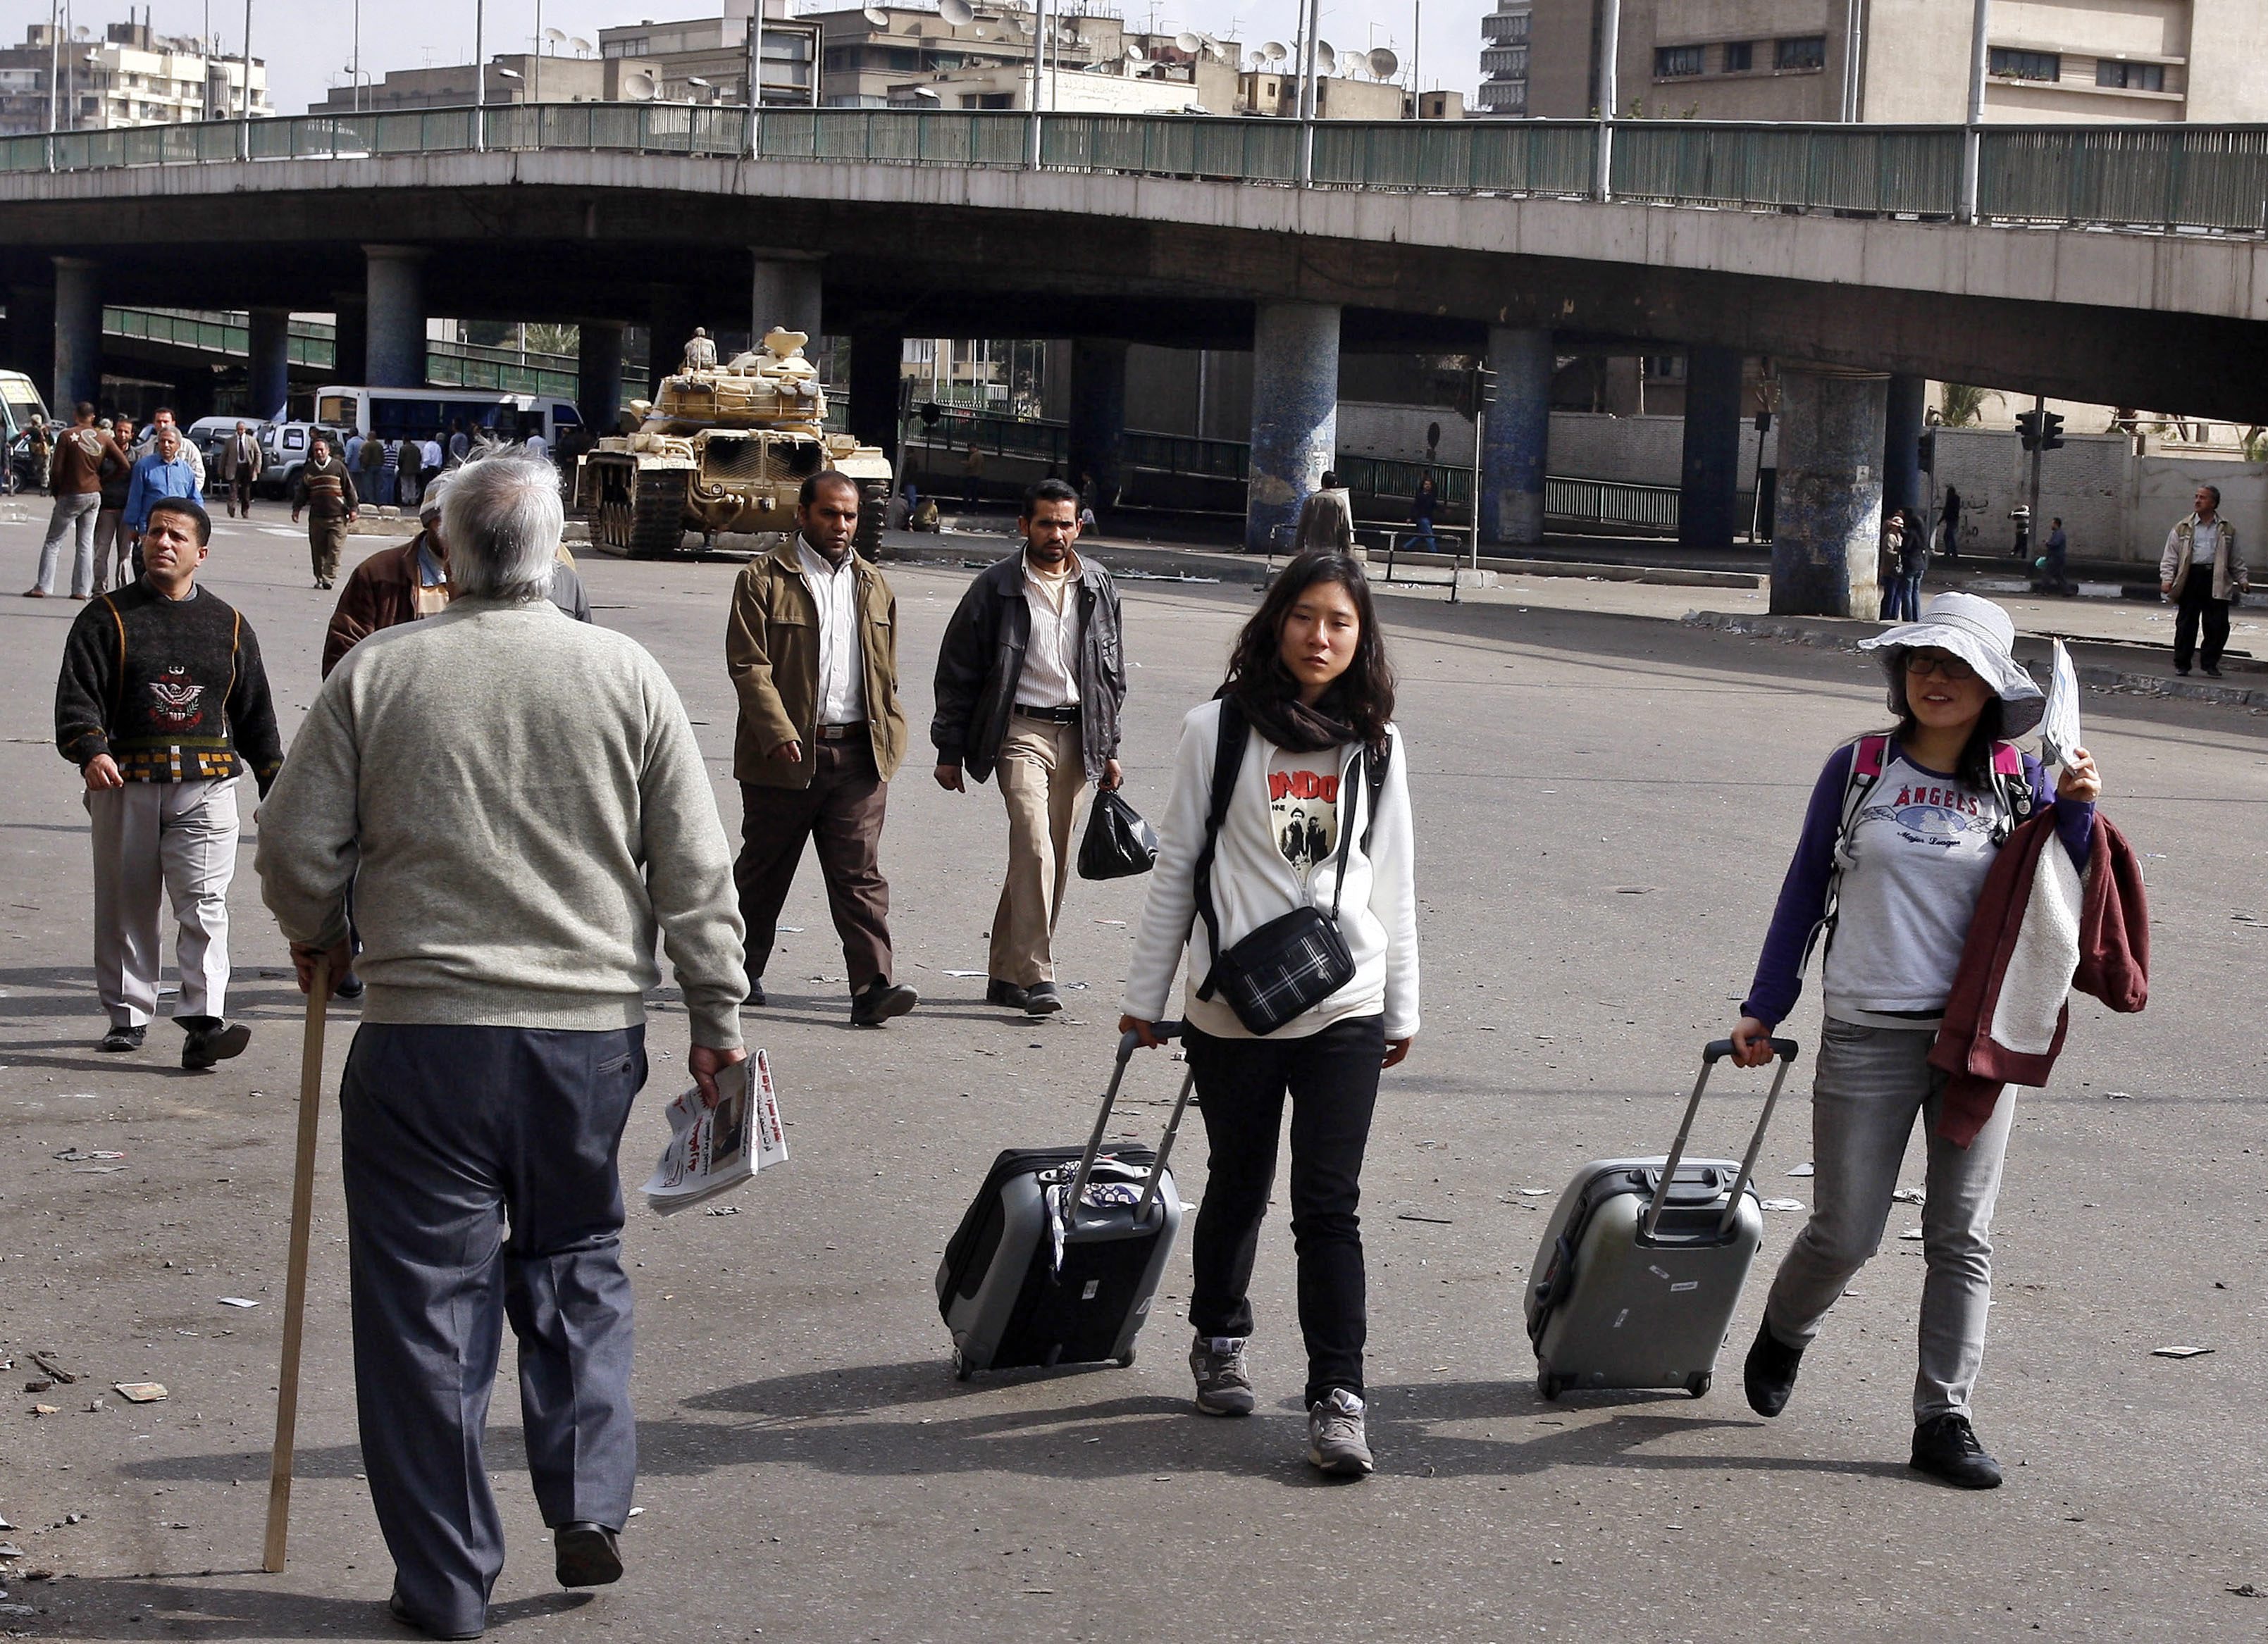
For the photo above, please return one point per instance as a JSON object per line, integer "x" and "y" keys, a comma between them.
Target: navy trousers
{"x": 448, "y": 1135}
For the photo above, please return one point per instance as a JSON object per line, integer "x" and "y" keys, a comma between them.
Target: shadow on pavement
{"x": 186, "y": 1608}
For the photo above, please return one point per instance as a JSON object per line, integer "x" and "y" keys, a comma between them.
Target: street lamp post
{"x": 54, "y": 76}
{"x": 244, "y": 137}
{"x": 480, "y": 76}
{"x": 756, "y": 76}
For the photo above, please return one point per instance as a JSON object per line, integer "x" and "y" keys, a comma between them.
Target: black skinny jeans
{"x": 1332, "y": 1079}
{"x": 2197, "y": 607}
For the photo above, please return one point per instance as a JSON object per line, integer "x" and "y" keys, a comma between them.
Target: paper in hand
{"x": 2060, "y": 724}
{"x": 713, "y": 1150}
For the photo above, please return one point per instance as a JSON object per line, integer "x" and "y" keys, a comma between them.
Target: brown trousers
{"x": 841, "y": 813}
{"x": 1042, "y": 773}
{"x": 325, "y": 539}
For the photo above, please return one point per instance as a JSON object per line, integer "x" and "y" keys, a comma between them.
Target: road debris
{"x": 74, "y": 1156}
{"x": 2179, "y": 1353}
{"x": 1803, "y": 1169}
{"x": 44, "y": 1410}
{"x": 48, "y": 1363}
{"x": 238, "y": 1301}
{"x": 140, "y": 1392}
{"x": 1783, "y": 1204}
{"x": 1411, "y": 1216}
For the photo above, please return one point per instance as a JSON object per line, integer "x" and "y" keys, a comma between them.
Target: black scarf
{"x": 1288, "y": 723}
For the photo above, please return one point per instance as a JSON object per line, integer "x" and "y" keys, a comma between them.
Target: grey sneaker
{"x": 1336, "y": 1441}
{"x": 1224, "y": 1385}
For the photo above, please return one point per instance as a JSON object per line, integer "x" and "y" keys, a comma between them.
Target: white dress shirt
{"x": 1050, "y": 676}
{"x": 842, "y": 683}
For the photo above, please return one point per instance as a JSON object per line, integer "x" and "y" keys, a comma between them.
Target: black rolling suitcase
{"x": 1058, "y": 1257}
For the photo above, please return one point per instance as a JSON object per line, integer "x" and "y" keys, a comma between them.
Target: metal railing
{"x": 314, "y": 345}
{"x": 2160, "y": 177}
{"x": 1648, "y": 507}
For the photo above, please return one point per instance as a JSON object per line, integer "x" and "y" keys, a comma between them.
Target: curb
{"x": 1845, "y": 635}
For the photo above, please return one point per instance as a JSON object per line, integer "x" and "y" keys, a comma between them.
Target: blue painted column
{"x": 1295, "y": 414}
{"x": 78, "y": 335}
{"x": 268, "y": 376}
{"x": 396, "y": 316}
{"x": 1098, "y": 416}
{"x": 1827, "y": 530}
{"x": 1902, "y": 444}
{"x": 1709, "y": 488}
{"x": 1517, "y": 441}
{"x": 785, "y": 293}
{"x": 598, "y": 374}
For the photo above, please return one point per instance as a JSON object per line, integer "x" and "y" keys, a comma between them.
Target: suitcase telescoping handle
{"x": 1127, "y": 1043}
{"x": 1785, "y": 1051}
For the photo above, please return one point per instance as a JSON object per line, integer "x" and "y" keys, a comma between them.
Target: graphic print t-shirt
{"x": 1920, "y": 849}
{"x": 1303, "y": 807}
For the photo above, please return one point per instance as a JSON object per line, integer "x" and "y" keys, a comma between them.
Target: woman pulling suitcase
{"x": 1302, "y": 947}
{"x": 1901, "y": 833}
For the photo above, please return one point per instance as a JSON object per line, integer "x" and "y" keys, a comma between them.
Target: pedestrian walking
{"x": 1301, "y": 733}
{"x": 1900, "y": 835}
{"x": 160, "y": 420}
{"x": 509, "y": 929}
{"x": 164, "y": 470}
{"x": 325, "y": 490}
{"x": 75, "y": 480}
{"x": 1951, "y": 516}
{"x": 240, "y": 462}
{"x": 1422, "y": 506}
{"x": 114, "y": 552}
{"x": 1326, "y": 520}
{"x": 163, "y": 703}
{"x": 811, "y": 646}
{"x": 972, "y": 473}
{"x": 2201, "y": 570}
{"x": 1031, "y": 677}
{"x": 409, "y": 479}
{"x": 460, "y": 443}
{"x": 2056, "y": 562}
{"x": 389, "y": 471}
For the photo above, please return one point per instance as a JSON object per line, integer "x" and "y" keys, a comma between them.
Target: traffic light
{"x": 2027, "y": 426}
{"x": 929, "y": 413}
{"x": 2051, "y": 432}
{"x": 1925, "y": 455}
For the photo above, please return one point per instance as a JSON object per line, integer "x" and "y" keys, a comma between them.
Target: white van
{"x": 435, "y": 413}
{"x": 19, "y": 403}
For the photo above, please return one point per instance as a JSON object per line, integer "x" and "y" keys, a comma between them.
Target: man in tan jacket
{"x": 812, "y": 649}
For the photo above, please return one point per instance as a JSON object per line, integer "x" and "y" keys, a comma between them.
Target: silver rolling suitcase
{"x": 1634, "y": 1285}
{"x": 1058, "y": 1259}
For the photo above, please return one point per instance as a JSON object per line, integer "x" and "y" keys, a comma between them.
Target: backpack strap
{"x": 1227, "y": 763}
{"x": 1868, "y": 755}
{"x": 2012, "y": 788}
{"x": 1373, "y": 781}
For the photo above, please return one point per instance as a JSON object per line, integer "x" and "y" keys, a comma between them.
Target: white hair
{"x": 428, "y": 502}
{"x": 502, "y": 519}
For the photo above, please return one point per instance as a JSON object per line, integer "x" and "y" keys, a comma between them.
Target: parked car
{"x": 284, "y": 445}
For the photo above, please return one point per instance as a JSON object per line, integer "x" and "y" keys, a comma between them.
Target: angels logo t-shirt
{"x": 1303, "y": 807}
{"x": 1920, "y": 848}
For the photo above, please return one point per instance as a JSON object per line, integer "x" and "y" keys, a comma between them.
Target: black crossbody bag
{"x": 1296, "y": 960}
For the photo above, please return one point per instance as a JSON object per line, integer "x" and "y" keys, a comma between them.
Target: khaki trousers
{"x": 325, "y": 539}
{"x": 152, "y": 840}
{"x": 1042, "y": 772}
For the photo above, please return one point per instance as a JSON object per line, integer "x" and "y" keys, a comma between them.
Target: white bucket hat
{"x": 1980, "y": 634}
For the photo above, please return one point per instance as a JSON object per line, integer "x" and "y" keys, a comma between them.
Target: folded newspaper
{"x": 713, "y": 1149}
{"x": 2060, "y": 721}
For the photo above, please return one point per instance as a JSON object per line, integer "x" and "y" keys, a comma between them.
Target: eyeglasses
{"x": 1951, "y": 669}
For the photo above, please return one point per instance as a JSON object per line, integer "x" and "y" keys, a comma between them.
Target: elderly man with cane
{"x": 519, "y": 805}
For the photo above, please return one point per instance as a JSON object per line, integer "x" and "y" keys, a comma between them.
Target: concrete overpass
{"x": 2127, "y": 267}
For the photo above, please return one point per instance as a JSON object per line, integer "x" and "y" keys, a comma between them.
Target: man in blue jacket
{"x": 164, "y": 472}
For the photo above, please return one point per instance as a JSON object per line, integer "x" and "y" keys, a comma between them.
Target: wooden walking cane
{"x": 295, "y": 1280}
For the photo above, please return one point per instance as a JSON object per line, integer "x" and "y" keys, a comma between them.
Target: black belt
{"x": 1053, "y": 715}
{"x": 840, "y": 733}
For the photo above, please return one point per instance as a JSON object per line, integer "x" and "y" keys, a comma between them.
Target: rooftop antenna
{"x": 957, "y": 13}
{"x": 1275, "y": 51}
{"x": 1381, "y": 63}
{"x": 876, "y": 16}
{"x": 1327, "y": 61}
{"x": 580, "y": 47}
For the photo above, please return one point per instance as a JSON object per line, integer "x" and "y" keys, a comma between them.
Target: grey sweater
{"x": 517, "y": 799}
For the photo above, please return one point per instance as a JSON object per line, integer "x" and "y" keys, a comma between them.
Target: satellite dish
{"x": 956, "y": 12}
{"x": 555, "y": 36}
{"x": 639, "y": 86}
{"x": 1327, "y": 61}
{"x": 875, "y": 15}
{"x": 1188, "y": 43}
{"x": 580, "y": 47}
{"x": 1275, "y": 51}
{"x": 1213, "y": 49}
{"x": 1134, "y": 53}
{"x": 82, "y": 32}
{"x": 1384, "y": 64}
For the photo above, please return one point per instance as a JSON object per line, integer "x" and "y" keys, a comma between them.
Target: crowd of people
{"x": 499, "y": 918}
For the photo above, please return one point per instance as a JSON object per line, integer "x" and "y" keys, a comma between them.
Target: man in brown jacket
{"x": 812, "y": 649}
{"x": 75, "y": 478}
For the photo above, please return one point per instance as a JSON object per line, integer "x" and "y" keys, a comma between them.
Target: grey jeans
{"x": 1872, "y": 1085}
{"x": 73, "y": 518}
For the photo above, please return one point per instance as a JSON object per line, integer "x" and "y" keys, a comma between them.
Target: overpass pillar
{"x": 1902, "y": 444}
{"x": 269, "y": 379}
{"x": 599, "y": 373}
{"x": 1518, "y": 437}
{"x": 32, "y": 333}
{"x": 671, "y": 317}
{"x": 1827, "y": 521}
{"x": 1295, "y": 413}
{"x": 350, "y": 349}
{"x": 395, "y": 343}
{"x": 1098, "y": 417}
{"x": 1709, "y": 488}
{"x": 785, "y": 293}
{"x": 78, "y": 334}
{"x": 875, "y": 353}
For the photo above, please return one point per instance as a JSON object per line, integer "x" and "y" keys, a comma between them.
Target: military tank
{"x": 723, "y": 448}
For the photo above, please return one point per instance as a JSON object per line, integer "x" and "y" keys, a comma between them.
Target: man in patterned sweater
{"x": 163, "y": 704}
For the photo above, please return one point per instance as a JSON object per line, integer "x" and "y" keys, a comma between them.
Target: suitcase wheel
{"x": 1125, "y": 1361}
{"x": 1548, "y": 1385}
{"x": 962, "y": 1369}
{"x": 1697, "y": 1383}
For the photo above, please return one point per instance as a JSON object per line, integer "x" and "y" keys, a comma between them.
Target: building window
{"x": 1809, "y": 51}
{"x": 2010, "y": 64}
{"x": 2131, "y": 77}
{"x": 1740, "y": 56}
{"x": 1674, "y": 62}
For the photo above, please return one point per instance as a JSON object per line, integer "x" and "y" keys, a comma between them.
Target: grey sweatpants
{"x": 446, "y": 1132}
{"x": 1872, "y": 1085}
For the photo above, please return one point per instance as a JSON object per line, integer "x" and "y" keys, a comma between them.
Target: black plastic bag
{"x": 1118, "y": 841}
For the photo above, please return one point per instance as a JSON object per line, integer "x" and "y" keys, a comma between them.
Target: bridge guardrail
{"x": 2162, "y": 178}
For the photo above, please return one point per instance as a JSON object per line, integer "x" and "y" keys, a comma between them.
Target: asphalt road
{"x": 1605, "y": 805}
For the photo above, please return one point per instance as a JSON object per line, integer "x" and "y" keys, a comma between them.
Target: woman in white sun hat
{"x": 1902, "y": 830}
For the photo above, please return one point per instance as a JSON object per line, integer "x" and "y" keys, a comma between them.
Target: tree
{"x": 1963, "y": 404}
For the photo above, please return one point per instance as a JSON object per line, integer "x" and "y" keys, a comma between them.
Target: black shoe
{"x": 1042, "y": 999}
{"x": 881, "y": 1000}
{"x": 999, "y": 993}
{"x": 120, "y": 1039}
{"x": 2212, "y": 670}
{"x": 206, "y": 1045}
{"x": 1770, "y": 1374}
{"x": 404, "y": 1614}
{"x": 588, "y": 1555}
{"x": 2184, "y": 672}
{"x": 1945, "y": 1447}
{"x": 351, "y": 985}
{"x": 755, "y": 1000}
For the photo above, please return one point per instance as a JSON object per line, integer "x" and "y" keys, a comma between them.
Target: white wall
{"x": 2114, "y": 505}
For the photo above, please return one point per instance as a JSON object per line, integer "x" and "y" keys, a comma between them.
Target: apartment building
{"x": 887, "y": 56}
{"x": 131, "y": 76}
{"x": 1897, "y": 61}
{"x": 1504, "y": 59}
